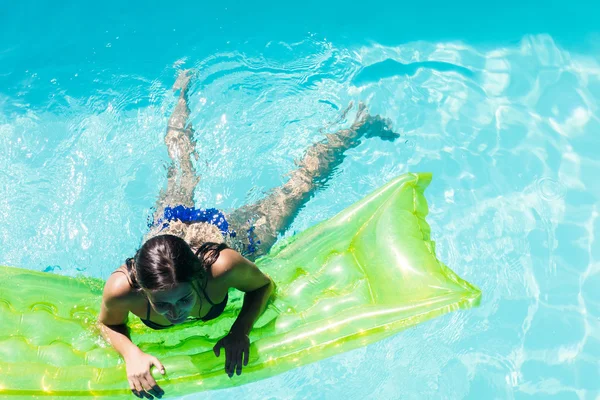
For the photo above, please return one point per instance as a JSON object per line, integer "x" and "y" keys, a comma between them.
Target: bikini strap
{"x": 147, "y": 299}
{"x": 119, "y": 270}
{"x": 148, "y": 309}
{"x": 201, "y": 288}
{"x": 206, "y": 297}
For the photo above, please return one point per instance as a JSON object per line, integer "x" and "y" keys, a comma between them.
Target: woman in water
{"x": 192, "y": 257}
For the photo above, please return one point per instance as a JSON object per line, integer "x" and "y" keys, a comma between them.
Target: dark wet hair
{"x": 167, "y": 260}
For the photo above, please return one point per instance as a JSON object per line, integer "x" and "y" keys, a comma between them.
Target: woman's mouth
{"x": 177, "y": 320}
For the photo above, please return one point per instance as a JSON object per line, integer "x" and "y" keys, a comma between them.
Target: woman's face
{"x": 175, "y": 304}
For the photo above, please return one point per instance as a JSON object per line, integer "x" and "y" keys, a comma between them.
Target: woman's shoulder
{"x": 118, "y": 287}
{"x": 227, "y": 261}
{"x": 118, "y": 299}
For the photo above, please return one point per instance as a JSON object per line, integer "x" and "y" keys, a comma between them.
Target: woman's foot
{"x": 374, "y": 126}
{"x": 183, "y": 81}
{"x": 379, "y": 127}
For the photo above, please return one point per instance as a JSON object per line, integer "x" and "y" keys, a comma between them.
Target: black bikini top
{"x": 214, "y": 312}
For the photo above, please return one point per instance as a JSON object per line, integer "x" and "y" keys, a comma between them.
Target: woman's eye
{"x": 185, "y": 300}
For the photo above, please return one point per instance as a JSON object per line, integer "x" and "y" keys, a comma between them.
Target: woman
{"x": 192, "y": 257}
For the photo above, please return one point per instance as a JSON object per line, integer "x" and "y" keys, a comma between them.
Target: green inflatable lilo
{"x": 361, "y": 276}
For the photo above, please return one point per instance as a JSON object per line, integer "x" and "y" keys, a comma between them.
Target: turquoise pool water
{"x": 502, "y": 106}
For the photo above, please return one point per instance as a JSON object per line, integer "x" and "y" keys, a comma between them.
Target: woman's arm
{"x": 258, "y": 287}
{"x": 113, "y": 316}
{"x": 112, "y": 323}
{"x": 254, "y": 304}
{"x": 242, "y": 274}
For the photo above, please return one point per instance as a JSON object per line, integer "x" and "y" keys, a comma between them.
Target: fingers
{"x": 138, "y": 388}
{"x": 158, "y": 365}
{"x": 238, "y": 362}
{"x": 158, "y": 392}
{"x": 145, "y": 386}
{"x": 234, "y": 364}
{"x": 236, "y": 356}
{"x": 228, "y": 361}
{"x": 133, "y": 388}
{"x": 155, "y": 389}
{"x": 238, "y": 369}
{"x": 151, "y": 387}
{"x": 246, "y": 355}
{"x": 217, "y": 348}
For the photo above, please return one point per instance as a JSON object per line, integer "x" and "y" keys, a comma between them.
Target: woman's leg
{"x": 272, "y": 214}
{"x": 181, "y": 177}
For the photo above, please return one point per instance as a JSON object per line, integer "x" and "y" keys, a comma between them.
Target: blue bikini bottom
{"x": 208, "y": 215}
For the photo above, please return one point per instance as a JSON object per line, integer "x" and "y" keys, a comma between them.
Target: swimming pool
{"x": 508, "y": 125}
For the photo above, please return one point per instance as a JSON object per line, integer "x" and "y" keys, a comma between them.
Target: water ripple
{"x": 510, "y": 134}
{"x": 551, "y": 189}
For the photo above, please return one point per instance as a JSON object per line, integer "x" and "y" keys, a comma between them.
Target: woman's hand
{"x": 140, "y": 379}
{"x": 237, "y": 350}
